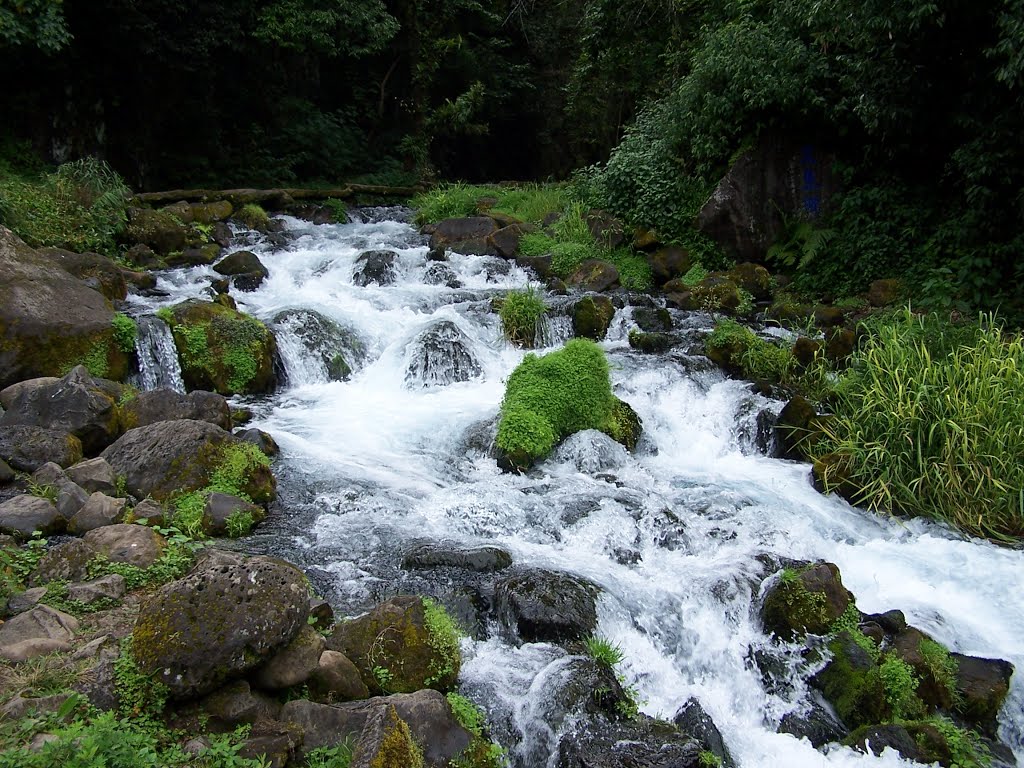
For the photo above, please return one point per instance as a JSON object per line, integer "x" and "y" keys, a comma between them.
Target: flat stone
{"x": 94, "y": 475}
{"x": 41, "y": 622}
{"x": 25, "y": 601}
{"x": 111, "y": 587}
{"x": 33, "y": 648}
{"x": 133, "y": 544}
{"x": 100, "y": 510}
{"x": 23, "y": 515}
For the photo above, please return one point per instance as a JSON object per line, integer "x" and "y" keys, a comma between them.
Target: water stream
{"x": 393, "y": 451}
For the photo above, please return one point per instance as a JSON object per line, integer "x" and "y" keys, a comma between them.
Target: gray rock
{"x": 23, "y": 515}
{"x": 594, "y": 275}
{"x": 167, "y": 405}
{"x": 133, "y": 544}
{"x": 337, "y": 679}
{"x": 100, "y": 510}
{"x": 385, "y": 736}
{"x": 219, "y": 509}
{"x": 442, "y": 555}
{"x": 375, "y": 267}
{"x": 294, "y": 663}
{"x": 111, "y": 587}
{"x": 33, "y": 648}
{"x": 27, "y": 448}
{"x": 25, "y": 601}
{"x": 640, "y": 743}
{"x": 441, "y": 355}
{"x": 262, "y": 440}
{"x": 427, "y": 713}
{"x": 99, "y": 683}
{"x": 70, "y": 498}
{"x": 9, "y": 395}
{"x": 219, "y": 622}
{"x": 42, "y": 622}
{"x": 693, "y": 721}
{"x": 65, "y": 562}
{"x": 77, "y": 404}
{"x": 94, "y": 475}
{"x": 544, "y": 606}
{"x": 275, "y": 743}
{"x": 152, "y": 512}
{"x": 92, "y": 649}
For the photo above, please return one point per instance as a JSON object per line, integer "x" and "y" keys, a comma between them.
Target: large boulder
{"x": 50, "y": 320}
{"x": 244, "y": 268}
{"x": 397, "y": 650}
{"x": 983, "y": 685}
{"x": 100, "y": 272}
{"x": 168, "y": 405}
{"x": 168, "y": 457}
{"x": 441, "y": 355}
{"x": 227, "y": 617}
{"x": 77, "y": 404}
{"x": 222, "y": 350}
{"x": 775, "y": 181}
{"x": 669, "y": 263}
{"x": 464, "y": 235}
{"x": 325, "y": 342}
{"x": 591, "y": 317}
{"x": 545, "y": 606}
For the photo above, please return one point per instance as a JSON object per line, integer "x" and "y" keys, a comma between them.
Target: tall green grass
{"x": 526, "y": 202}
{"x": 81, "y": 206}
{"x": 929, "y": 421}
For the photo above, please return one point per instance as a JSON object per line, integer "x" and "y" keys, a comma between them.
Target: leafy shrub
{"x": 520, "y": 314}
{"x": 927, "y": 422}
{"x": 548, "y": 398}
{"x": 125, "y": 331}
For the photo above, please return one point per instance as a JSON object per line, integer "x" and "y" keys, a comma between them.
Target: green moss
{"x": 254, "y": 217}
{"x": 738, "y": 349}
{"x": 791, "y": 610}
{"x": 708, "y": 759}
{"x": 520, "y": 314}
{"x": 481, "y": 752}
{"x": 139, "y": 695}
{"x": 397, "y": 749}
{"x": 125, "y": 332}
{"x": 634, "y": 270}
{"x": 443, "y": 637}
{"x": 900, "y": 685}
{"x": 695, "y": 276}
{"x": 548, "y": 398}
{"x": 849, "y": 622}
{"x": 942, "y": 668}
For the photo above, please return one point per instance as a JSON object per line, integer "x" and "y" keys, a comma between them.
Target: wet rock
{"x": 294, "y": 663}
{"x": 22, "y": 515}
{"x": 441, "y": 355}
{"x": 109, "y": 587}
{"x": 464, "y": 235}
{"x": 594, "y": 275}
{"x": 505, "y": 241}
{"x": 337, "y": 679}
{"x": 694, "y": 722}
{"x": 225, "y": 618}
{"x": 94, "y": 476}
{"x": 851, "y": 685}
{"x": 591, "y": 317}
{"x": 591, "y": 451}
{"x": 98, "y": 511}
{"x": 639, "y": 743}
{"x": 159, "y": 230}
{"x": 816, "y": 725}
{"x": 141, "y": 256}
{"x": 426, "y": 712}
{"x": 652, "y": 320}
{"x": 624, "y": 424}
{"x": 334, "y": 347}
{"x": 650, "y": 343}
{"x": 808, "y": 599}
{"x": 669, "y": 263}
{"x": 544, "y": 606}
{"x": 245, "y": 269}
{"x": 132, "y": 544}
{"x": 983, "y": 685}
{"x": 395, "y": 650}
{"x": 65, "y": 562}
{"x": 375, "y": 267}
{"x": 752, "y": 278}
{"x": 167, "y": 405}
{"x": 795, "y": 426}
{"x": 223, "y": 515}
{"x": 159, "y": 460}
{"x": 440, "y": 274}
{"x": 262, "y": 440}
{"x": 444, "y": 555}
{"x": 27, "y": 448}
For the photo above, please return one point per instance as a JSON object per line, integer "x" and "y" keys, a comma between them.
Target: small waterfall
{"x": 439, "y": 356}
{"x": 158, "y": 357}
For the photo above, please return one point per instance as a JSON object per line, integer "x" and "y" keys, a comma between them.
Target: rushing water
{"x": 391, "y": 456}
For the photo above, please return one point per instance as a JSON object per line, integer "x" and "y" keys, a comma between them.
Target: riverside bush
{"x": 548, "y": 398}
{"x": 927, "y": 422}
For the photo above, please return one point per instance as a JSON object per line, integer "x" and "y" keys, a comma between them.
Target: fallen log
{"x": 272, "y": 198}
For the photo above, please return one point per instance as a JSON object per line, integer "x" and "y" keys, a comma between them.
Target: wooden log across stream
{"x": 273, "y": 198}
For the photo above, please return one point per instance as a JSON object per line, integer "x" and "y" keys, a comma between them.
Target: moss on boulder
{"x": 401, "y": 646}
{"x": 548, "y": 398}
{"x": 222, "y": 350}
{"x": 591, "y": 317}
{"x": 807, "y": 599}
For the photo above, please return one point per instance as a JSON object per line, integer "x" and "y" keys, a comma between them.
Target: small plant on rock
{"x": 254, "y": 217}
{"x": 604, "y": 651}
{"x": 520, "y": 314}
{"x": 443, "y": 636}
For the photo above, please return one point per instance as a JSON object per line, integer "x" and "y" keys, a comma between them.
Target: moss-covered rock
{"x": 161, "y": 230}
{"x": 669, "y": 263}
{"x": 752, "y": 278}
{"x": 623, "y": 425}
{"x": 805, "y": 599}
{"x": 386, "y": 742}
{"x": 591, "y": 317}
{"x": 594, "y": 275}
{"x": 851, "y": 684}
{"x": 650, "y": 343}
{"x": 884, "y": 292}
{"x": 218, "y": 622}
{"x": 222, "y": 350}
{"x": 550, "y": 397}
{"x": 50, "y": 320}
{"x": 401, "y": 646}
{"x": 796, "y": 427}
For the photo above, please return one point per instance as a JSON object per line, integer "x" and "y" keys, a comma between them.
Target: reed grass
{"x": 929, "y": 421}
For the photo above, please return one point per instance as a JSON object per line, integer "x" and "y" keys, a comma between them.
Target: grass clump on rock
{"x": 549, "y": 398}
{"x": 254, "y": 217}
{"x": 520, "y": 315}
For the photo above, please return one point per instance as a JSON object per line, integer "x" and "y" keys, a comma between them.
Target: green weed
{"x": 604, "y": 651}
{"x": 520, "y": 314}
{"x": 443, "y": 637}
{"x": 254, "y": 217}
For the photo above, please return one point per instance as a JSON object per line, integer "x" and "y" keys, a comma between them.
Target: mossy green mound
{"x": 221, "y": 349}
{"x": 549, "y": 398}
